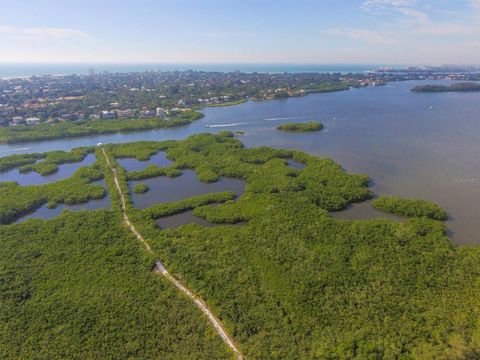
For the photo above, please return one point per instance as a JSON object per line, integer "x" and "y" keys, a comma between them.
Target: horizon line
{"x": 222, "y": 63}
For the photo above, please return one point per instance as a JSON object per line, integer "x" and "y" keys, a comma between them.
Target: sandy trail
{"x": 161, "y": 269}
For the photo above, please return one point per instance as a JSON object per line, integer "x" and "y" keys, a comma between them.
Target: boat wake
{"x": 285, "y": 118}
{"x": 224, "y": 125}
{"x": 16, "y": 150}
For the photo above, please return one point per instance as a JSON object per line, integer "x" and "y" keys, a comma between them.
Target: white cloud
{"x": 475, "y": 4}
{"x": 419, "y": 23}
{"x": 404, "y": 7}
{"x": 444, "y": 29}
{"x": 361, "y": 34}
{"x": 411, "y": 29}
{"x": 41, "y": 33}
{"x": 371, "y": 5}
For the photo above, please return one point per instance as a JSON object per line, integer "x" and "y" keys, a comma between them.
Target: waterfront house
{"x": 18, "y": 120}
{"x": 32, "y": 121}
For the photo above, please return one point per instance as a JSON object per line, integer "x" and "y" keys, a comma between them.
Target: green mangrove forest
{"x": 410, "y": 207}
{"x": 16, "y": 200}
{"x": 301, "y": 127}
{"x": 68, "y": 129}
{"x": 289, "y": 281}
{"x": 459, "y": 87}
{"x": 140, "y": 188}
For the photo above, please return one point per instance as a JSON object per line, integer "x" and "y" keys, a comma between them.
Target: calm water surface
{"x": 412, "y": 145}
{"x": 32, "y": 178}
{"x": 23, "y": 70}
{"x": 184, "y": 218}
{"x": 295, "y": 164}
{"x": 165, "y": 189}
{"x": 132, "y": 164}
{"x": 44, "y": 212}
{"x": 364, "y": 211}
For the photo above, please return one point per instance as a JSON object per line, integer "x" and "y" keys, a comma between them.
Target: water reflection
{"x": 165, "y": 189}
{"x": 32, "y": 178}
{"x": 387, "y": 132}
{"x": 295, "y": 164}
{"x": 44, "y": 212}
{"x": 184, "y": 218}
{"x": 132, "y": 164}
{"x": 364, "y": 211}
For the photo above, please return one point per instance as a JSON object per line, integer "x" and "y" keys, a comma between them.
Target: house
{"x": 32, "y": 121}
{"x": 147, "y": 113}
{"x": 18, "y": 120}
{"x": 125, "y": 114}
{"x": 108, "y": 114}
{"x": 160, "y": 112}
{"x": 79, "y": 116}
{"x": 94, "y": 117}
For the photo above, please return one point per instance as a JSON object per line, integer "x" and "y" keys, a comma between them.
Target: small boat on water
{"x": 431, "y": 107}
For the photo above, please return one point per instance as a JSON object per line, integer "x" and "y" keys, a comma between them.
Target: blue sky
{"x": 211, "y": 31}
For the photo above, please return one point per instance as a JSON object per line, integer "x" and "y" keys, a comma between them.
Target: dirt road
{"x": 161, "y": 269}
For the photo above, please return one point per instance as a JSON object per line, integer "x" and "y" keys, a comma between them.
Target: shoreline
{"x": 196, "y": 109}
{"x": 106, "y": 131}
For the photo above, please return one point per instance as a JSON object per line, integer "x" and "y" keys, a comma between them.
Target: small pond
{"x": 295, "y": 164}
{"x": 364, "y": 211}
{"x": 44, "y": 212}
{"x": 165, "y": 189}
{"x": 187, "y": 217}
{"x": 184, "y": 218}
{"x": 32, "y": 178}
{"x": 132, "y": 164}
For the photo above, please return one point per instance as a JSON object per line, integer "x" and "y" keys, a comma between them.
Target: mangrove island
{"x": 301, "y": 127}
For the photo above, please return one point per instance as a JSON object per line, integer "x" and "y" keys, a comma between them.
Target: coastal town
{"x": 156, "y": 94}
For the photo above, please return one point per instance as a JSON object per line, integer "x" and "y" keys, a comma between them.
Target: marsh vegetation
{"x": 291, "y": 282}
{"x": 301, "y": 127}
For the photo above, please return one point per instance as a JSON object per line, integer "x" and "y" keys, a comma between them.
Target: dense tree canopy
{"x": 24, "y": 133}
{"x": 292, "y": 282}
{"x": 410, "y": 207}
{"x": 80, "y": 287}
{"x": 302, "y": 127}
{"x": 464, "y": 86}
{"x": 140, "y": 188}
{"x": 16, "y": 200}
{"x": 288, "y": 281}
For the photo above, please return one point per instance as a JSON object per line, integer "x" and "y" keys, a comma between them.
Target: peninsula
{"x": 458, "y": 87}
{"x": 272, "y": 262}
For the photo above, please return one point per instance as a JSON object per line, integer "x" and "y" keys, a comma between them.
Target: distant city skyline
{"x": 283, "y": 31}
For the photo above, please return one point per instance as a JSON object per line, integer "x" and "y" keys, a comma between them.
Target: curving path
{"x": 161, "y": 269}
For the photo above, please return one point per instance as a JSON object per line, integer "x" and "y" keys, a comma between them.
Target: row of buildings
{"x": 19, "y": 120}
{"x": 102, "y": 115}
{"x": 128, "y": 114}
